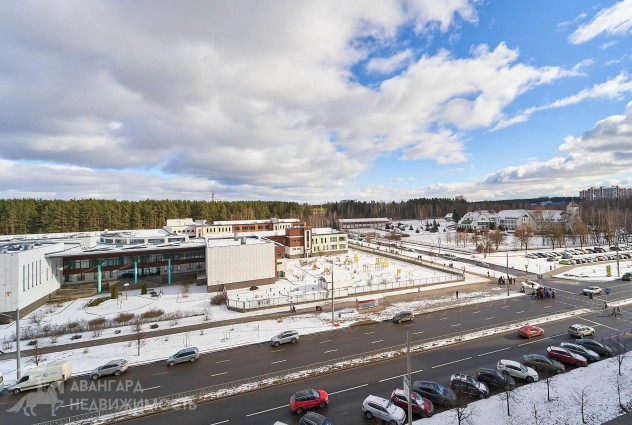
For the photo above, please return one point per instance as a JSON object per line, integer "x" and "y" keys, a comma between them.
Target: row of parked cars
{"x": 567, "y": 257}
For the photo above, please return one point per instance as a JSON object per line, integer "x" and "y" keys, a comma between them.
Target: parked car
{"x": 189, "y": 354}
{"x": 308, "y": 399}
{"x": 284, "y": 338}
{"x": 595, "y": 290}
{"x": 113, "y": 367}
{"x": 313, "y": 418}
{"x": 565, "y": 262}
{"x": 543, "y": 363}
{"x": 437, "y": 393}
{"x": 420, "y": 406}
{"x": 626, "y": 276}
{"x": 597, "y": 347}
{"x": 482, "y": 264}
{"x": 404, "y": 316}
{"x": 465, "y": 384}
{"x": 589, "y": 354}
{"x": 517, "y": 370}
{"x": 529, "y": 331}
{"x": 580, "y": 331}
{"x": 565, "y": 356}
{"x": 494, "y": 379}
{"x": 380, "y": 408}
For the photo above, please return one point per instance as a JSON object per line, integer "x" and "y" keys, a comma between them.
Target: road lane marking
{"x": 420, "y": 332}
{"x": 223, "y": 361}
{"x": 375, "y": 342}
{"x": 278, "y": 361}
{"x": 600, "y": 324}
{"x": 368, "y": 333}
{"x": 489, "y": 318}
{"x": 285, "y": 406}
{"x": 150, "y": 388}
{"x": 221, "y": 422}
{"x": 475, "y": 312}
{"x": 518, "y": 312}
{"x": 160, "y": 373}
{"x": 218, "y": 374}
{"x": 505, "y": 306}
{"x": 443, "y": 318}
{"x": 398, "y": 376}
{"x": 540, "y": 339}
{"x": 327, "y": 340}
{"x": 456, "y": 361}
{"x": 495, "y": 351}
{"x": 71, "y": 404}
{"x": 331, "y": 351}
{"x": 548, "y": 306}
{"x": 349, "y": 389}
{"x": 454, "y": 326}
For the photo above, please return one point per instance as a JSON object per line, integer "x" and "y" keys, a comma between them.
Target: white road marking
{"x": 218, "y": 374}
{"x": 150, "y": 388}
{"x": 443, "y": 318}
{"x": 327, "y": 340}
{"x": 456, "y": 361}
{"x": 222, "y": 361}
{"x": 285, "y": 406}
{"x": 495, "y": 351}
{"x": 398, "y": 376}
{"x": 331, "y": 351}
{"x": 505, "y": 306}
{"x": 518, "y": 312}
{"x": 420, "y": 332}
{"x": 540, "y": 339}
{"x": 489, "y": 318}
{"x": 349, "y": 389}
{"x": 71, "y": 404}
{"x": 454, "y": 326}
{"x": 601, "y": 324}
{"x": 160, "y": 373}
{"x": 548, "y": 306}
{"x": 475, "y": 312}
{"x": 368, "y": 333}
{"x": 375, "y": 342}
{"x": 221, "y": 422}
{"x": 278, "y": 361}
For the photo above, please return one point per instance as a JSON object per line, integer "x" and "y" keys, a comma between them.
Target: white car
{"x": 517, "y": 370}
{"x": 581, "y": 331}
{"x": 380, "y": 408}
{"x": 595, "y": 290}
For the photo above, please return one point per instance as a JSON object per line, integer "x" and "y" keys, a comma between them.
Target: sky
{"x": 314, "y": 101}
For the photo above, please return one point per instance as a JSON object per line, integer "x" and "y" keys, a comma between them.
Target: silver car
{"x": 113, "y": 367}
{"x": 284, "y": 338}
{"x": 189, "y": 354}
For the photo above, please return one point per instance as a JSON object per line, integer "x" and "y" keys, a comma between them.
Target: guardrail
{"x": 201, "y": 395}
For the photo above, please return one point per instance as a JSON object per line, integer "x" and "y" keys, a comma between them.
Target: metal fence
{"x": 183, "y": 399}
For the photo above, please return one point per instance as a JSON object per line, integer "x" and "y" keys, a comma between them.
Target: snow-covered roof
{"x": 510, "y": 214}
{"x": 363, "y": 220}
{"x": 270, "y": 220}
{"x": 243, "y": 240}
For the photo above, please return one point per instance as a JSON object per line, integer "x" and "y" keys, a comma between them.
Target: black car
{"x": 543, "y": 364}
{"x": 313, "y": 418}
{"x": 436, "y": 393}
{"x": 494, "y": 379}
{"x": 626, "y": 276}
{"x": 465, "y": 384}
{"x": 591, "y": 355}
{"x": 597, "y": 347}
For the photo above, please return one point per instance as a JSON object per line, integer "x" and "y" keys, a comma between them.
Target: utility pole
{"x": 407, "y": 388}
{"x": 617, "y": 246}
{"x": 17, "y": 340}
{"x": 333, "y": 321}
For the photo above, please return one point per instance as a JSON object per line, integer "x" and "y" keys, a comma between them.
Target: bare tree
{"x": 621, "y": 351}
{"x": 509, "y": 398}
{"x": 497, "y": 237}
{"x": 582, "y": 400}
{"x": 38, "y": 355}
{"x": 582, "y": 232}
{"x": 139, "y": 335}
{"x": 623, "y": 407}
{"x": 462, "y": 407}
{"x": 524, "y": 233}
{"x": 185, "y": 290}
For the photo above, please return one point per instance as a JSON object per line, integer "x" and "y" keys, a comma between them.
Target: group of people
{"x": 509, "y": 281}
{"x": 543, "y": 292}
{"x": 616, "y": 311}
{"x": 292, "y": 309}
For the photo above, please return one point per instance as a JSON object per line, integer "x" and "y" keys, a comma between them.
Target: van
{"x": 46, "y": 375}
{"x": 1, "y": 383}
{"x": 450, "y": 256}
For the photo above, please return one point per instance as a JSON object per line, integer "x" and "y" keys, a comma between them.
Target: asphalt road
{"x": 155, "y": 380}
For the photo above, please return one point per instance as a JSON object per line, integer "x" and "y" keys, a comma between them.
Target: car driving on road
{"x": 594, "y": 290}
{"x": 581, "y": 331}
{"x": 285, "y": 338}
{"x": 517, "y": 370}
{"x": 529, "y": 331}
{"x": 189, "y": 354}
{"x": 308, "y": 399}
{"x": 403, "y": 316}
{"x": 113, "y": 367}
{"x": 543, "y": 363}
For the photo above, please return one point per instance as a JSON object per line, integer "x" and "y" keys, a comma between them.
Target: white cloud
{"x": 614, "y": 21}
{"x": 389, "y": 64}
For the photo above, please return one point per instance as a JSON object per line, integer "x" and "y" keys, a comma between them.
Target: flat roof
{"x": 271, "y": 220}
{"x": 221, "y": 242}
{"x": 362, "y": 220}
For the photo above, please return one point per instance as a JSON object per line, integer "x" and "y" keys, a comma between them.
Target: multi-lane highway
{"x": 347, "y": 389}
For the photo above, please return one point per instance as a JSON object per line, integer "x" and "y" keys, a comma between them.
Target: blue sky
{"x": 314, "y": 101}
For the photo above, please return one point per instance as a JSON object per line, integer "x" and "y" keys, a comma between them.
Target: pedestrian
{"x": 618, "y": 311}
{"x": 457, "y": 294}
{"x": 605, "y": 305}
{"x": 291, "y": 311}
{"x": 614, "y": 312}
{"x": 488, "y": 274}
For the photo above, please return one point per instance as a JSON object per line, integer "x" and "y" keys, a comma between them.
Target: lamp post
{"x": 126, "y": 285}
{"x": 332, "y": 294}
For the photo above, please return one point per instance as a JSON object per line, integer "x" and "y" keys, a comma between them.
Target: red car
{"x": 566, "y": 356}
{"x": 421, "y": 406}
{"x": 529, "y": 331}
{"x": 308, "y": 399}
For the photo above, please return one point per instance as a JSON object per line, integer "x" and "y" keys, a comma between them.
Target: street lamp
{"x": 126, "y": 285}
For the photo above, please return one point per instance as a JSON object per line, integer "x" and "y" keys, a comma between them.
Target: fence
{"x": 183, "y": 399}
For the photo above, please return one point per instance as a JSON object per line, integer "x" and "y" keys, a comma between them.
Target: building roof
{"x": 242, "y": 240}
{"x": 270, "y": 220}
{"x": 363, "y": 220}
